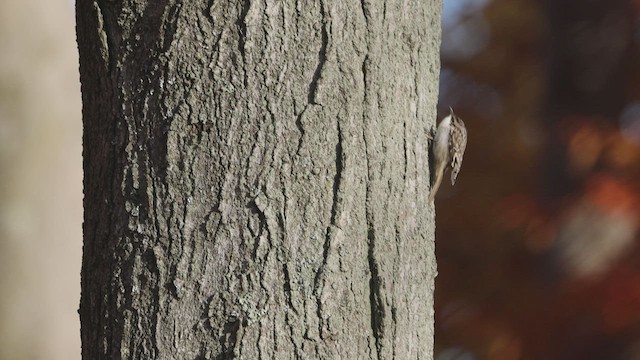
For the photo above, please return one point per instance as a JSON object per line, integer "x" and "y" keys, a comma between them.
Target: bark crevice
{"x": 322, "y": 56}
{"x": 242, "y": 36}
{"x": 375, "y": 296}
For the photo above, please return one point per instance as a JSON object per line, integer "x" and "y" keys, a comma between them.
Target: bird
{"x": 448, "y": 146}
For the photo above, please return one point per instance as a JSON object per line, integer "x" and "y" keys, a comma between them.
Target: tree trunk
{"x": 256, "y": 176}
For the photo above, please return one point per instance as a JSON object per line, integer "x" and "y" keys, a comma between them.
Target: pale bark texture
{"x": 256, "y": 176}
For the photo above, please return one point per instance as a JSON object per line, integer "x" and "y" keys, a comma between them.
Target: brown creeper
{"x": 448, "y": 147}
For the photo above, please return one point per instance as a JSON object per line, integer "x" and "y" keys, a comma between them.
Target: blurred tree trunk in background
{"x": 588, "y": 73}
{"x": 586, "y": 183}
{"x": 255, "y": 179}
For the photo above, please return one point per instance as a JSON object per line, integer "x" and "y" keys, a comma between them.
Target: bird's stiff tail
{"x": 436, "y": 185}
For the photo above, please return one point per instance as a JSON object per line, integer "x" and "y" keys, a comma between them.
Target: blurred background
{"x": 537, "y": 243}
{"x": 40, "y": 181}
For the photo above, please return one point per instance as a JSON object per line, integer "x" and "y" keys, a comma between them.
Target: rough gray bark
{"x": 256, "y": 175}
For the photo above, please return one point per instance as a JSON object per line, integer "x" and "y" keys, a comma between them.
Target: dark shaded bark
{"x": 256, "y": 177}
